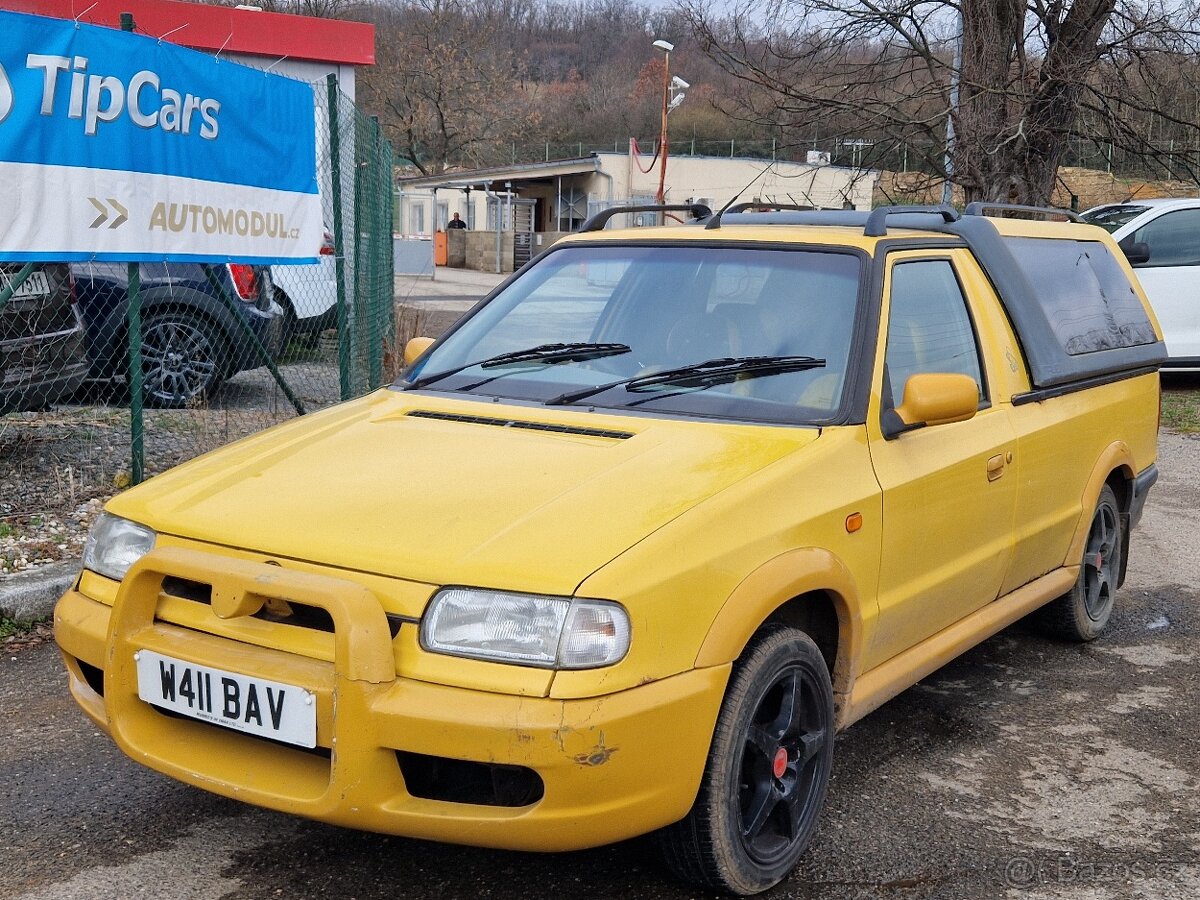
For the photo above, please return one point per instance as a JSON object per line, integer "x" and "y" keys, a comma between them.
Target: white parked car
{"x": 308, "y": 295}
{"x": 1161, "y": 238}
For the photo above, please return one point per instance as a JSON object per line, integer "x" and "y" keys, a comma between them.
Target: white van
{"x": 1161, "y": 238}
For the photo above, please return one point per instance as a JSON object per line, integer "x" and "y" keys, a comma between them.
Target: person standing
{"x": 456, "y": 222}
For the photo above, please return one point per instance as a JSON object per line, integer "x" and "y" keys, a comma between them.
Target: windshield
{"x": 1110, "y": 218}
{"x": 625, "y": 313}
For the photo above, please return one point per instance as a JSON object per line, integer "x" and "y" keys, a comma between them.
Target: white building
{"x": 549, "y": 198}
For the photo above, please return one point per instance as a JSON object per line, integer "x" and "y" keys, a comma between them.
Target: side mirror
{"x": 1137, "y": 253}
{"x": 932, "y": 398}
{"x": 414, "y": 348}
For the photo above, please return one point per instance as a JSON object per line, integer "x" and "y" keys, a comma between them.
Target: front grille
{"x": 300, "y": 615}
{"x": 523, "y": 424}
{"x": 462, "y": 781}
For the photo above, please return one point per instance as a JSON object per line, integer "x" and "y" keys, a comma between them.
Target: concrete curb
{"x": 30, "y": 596}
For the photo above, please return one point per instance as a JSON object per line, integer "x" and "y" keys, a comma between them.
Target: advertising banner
{"x": 119, "y": 147}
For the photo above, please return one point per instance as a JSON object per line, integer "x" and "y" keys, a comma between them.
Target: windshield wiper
{"x": 701, "y": 375}
{"x": 542, "y": 353}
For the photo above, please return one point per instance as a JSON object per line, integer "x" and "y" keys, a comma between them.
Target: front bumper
{"x": 612, "y": 767}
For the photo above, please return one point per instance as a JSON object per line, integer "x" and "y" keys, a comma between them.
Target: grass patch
{"x": 6, "y": 530}
{"x": 1181, "y": 405}
{"x": 10, "y": 627}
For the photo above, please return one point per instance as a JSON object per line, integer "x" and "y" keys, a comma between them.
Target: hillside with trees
{"x": 1023, "y": 87}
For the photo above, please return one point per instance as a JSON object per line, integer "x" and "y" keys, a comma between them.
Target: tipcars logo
{"x": 6, "y": 95}
{"x": 104, "y": 98}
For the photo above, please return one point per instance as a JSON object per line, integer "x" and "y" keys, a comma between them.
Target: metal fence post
{"x": 389, "y": 248}
{"x": 362, "y": 299}
{"x": 376, "y": 318}
{"x": 137, "y": 425}
{"x": 339, "y": 244}
{"x": 263, "y": 353}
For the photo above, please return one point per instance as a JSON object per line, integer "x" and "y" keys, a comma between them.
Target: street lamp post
{"x": 666, "y": 47}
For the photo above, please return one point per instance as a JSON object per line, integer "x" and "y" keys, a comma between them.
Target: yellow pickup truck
{"x": 622, "y": 551}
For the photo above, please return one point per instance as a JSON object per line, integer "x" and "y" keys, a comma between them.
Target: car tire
{"x": 1082, "y": 613}
{"x": 767, "y": 771}
{"x": 184, "y": 359}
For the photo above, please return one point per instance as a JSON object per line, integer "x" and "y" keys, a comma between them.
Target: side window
{"x": 1173, "y": 239}
{"x": 929, "y": 328}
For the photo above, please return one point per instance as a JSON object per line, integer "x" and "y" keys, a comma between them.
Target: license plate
{"x": 282, "y": 712}
{"x": 35, "y": 285}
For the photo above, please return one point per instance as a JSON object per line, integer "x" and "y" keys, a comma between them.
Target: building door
{"x": 522, "y": 222}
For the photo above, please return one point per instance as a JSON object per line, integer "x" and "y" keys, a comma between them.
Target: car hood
{"x": 443, "y": 491}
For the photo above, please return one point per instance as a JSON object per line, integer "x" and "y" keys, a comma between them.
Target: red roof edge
{"x": 213, "y": 28}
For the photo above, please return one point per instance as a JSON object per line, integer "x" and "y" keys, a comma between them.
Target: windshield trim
{"x": 1137, "y": 210}
{"x": 851, "y": 409}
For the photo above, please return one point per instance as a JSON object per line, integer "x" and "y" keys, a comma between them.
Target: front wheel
{"x": 767, "y": 770}
{"x": 1082, "y": 613}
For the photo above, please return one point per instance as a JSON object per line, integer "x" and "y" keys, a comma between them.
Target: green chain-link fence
{"x": 226, "y": 350}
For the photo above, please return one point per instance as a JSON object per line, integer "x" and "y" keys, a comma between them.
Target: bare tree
{"x": 1031, "y": 77}
{"x": 445, "y": 86}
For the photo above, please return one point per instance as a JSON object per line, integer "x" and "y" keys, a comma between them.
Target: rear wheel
{"x": 183, "y": 359}
{"x": 1082, "y": 613}
{"x": 767, "y": 770}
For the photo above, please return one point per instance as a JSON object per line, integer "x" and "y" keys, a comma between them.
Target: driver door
{"x": 949, "y": 491}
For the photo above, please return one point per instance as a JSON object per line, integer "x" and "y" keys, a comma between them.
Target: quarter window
{"x": 1086, "y": 295}
{"x": 929, "y": 328}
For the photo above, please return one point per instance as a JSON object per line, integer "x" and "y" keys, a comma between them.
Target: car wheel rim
{"x": 1099, "y": 562}
{"x": 782, "y": 766}
{"x": 177, "y": 361}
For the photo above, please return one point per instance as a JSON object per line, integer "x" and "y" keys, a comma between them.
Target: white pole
{"x": 948, "y": 185}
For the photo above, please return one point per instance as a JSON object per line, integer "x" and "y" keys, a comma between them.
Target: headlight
{"x": 527, "y": 629}
{"x": 115, "y": 544}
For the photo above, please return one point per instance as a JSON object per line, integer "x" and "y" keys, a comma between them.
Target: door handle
{"x": 995, "y": 467}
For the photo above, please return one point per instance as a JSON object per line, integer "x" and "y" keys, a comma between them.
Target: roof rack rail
{"x": 877, "y": 221}
{"x": 978, "y": 207}
{"x": 600, "y": 219}
{"x": 770, "y": 207}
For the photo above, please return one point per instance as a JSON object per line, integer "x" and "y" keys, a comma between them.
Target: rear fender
{"x": 1115, "y": 458}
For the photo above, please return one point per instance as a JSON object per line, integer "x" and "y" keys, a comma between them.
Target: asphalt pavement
{"x": 1027, "y": 769}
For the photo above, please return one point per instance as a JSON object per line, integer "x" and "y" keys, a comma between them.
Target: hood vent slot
{"x": 519, "y": 423}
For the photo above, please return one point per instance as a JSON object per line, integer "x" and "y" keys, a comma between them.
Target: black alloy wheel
{"x": 768, "y": 769}
{"x": 781, "y": 766}
{"x": 183, "y": 360}
{"x": 1082, "y": 613}
{"x": 1099, "y": 577}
